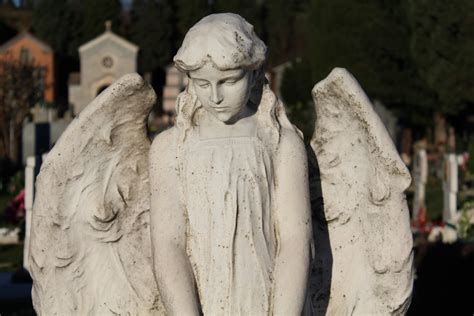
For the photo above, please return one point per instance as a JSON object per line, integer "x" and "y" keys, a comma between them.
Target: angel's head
{"x": 223, "y": 58}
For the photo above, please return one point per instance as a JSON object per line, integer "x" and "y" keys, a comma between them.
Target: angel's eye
{"x": 202, "y": 83}
{"x": 230, "y": 82}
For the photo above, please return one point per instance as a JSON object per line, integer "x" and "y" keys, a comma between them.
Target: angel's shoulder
{"x": 164, "y": 144}
{"x": 291, "y": 146}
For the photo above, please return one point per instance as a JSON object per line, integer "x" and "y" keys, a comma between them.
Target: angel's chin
{"x": 226, "y": 117}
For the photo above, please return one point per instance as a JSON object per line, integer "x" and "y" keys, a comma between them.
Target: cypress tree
{"x": 188, "y": 12}
{"x": 151, "y": 30}
{"x": 96, "y": 13}
{"x": 371, "y": 39}
{"x": 442, "y": 45}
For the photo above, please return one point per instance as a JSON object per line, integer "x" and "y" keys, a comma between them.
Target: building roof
{"x": 45, "y": 47}
{"x": 108, "y": 34}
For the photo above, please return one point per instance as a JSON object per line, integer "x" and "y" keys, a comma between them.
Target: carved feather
{"x": 363, "y": 241}
{"x": 90, "y": 241}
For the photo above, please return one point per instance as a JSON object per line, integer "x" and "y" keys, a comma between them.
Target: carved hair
{"x": 213, "y": 37}
{"x": 229, "y": 42}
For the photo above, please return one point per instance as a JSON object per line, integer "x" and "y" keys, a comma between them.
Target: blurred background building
{"x": 27, "y": 48}
{"x": 103, "y": 60}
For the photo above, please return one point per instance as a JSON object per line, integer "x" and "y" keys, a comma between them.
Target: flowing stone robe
{"x": 227, "y": 191}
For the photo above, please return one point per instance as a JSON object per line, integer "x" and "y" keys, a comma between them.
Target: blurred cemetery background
{"x": 414, "y": 58}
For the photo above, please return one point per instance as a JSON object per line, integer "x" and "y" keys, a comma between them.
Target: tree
{"x": 6, "y": 32}
{"x": 65, "y": 25}
{"x": 285, "y": 25}
{"x": 96, "y": 13}
{"x": 371, "y": 39}
{"x": 28, "y": 4}
{"x": 151, "y": 30}
{"x": 59, "y": 23}
{"x": 188, "y": 12}
{"x": 21, "y": 87}
{"x": 442, "y": 45}
{"x": 9, "y": 2}
{"x": 296, "y": 93}
{"x": 250, "y": 10}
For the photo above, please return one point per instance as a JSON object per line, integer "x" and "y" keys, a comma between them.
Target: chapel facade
{"x": 103, "y": 60}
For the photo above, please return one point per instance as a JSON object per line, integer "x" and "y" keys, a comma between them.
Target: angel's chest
{"x": 218, "y": 168}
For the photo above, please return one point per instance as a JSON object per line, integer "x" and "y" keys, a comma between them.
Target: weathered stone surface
{"x": 90, "y": 247}
{"x": 420, "y": 177}
{"x": 450, "y": 188}
{"x": 240, "y": 227}
{"x": 363, "y": 240}
{"x": 219, "y": 207}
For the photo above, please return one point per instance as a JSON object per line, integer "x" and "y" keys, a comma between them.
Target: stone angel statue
{"x": 218, "y": 215}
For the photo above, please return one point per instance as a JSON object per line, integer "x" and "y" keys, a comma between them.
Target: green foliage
{"x": 11, "y": 257}
{"x": 151, "y": 30}
{"x": 28, "y": 4}
{"x": 65, "y": 25}
{"x": 434, "y": 199}
{"x": 59, "y": 23}
{"x": 187, "y": 13}
{"x": 5, "y": 200}
{"x": 9, "y": 3}
{"x": 465, "y": 228}
{"x": 7, "y": 170}
{"x": 285, "y": 25}
{"x": 370, "y": 38}
{"x": 16, "y": 183}
{"x": 470, "y": 163}
{"x": 296, "y": 88}
{"x": 6, "y": 32}
{"x": 442, "y": 45}
{"x": 96, "y": 13}
{"x": 21, "y": 87}
{"x": 48, "y": 105}
{"x": 250, "y": 10}
{"x": 413, "y": 55}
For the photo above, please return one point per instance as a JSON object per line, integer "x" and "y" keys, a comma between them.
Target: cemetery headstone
{"x": 39, "y": 137}
{"x": 32, "y": 168}
{"x": 450, "y": 188}
{"x": 420, "y": 177}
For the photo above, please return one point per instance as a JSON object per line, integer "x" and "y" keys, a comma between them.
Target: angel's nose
{"x": 216, "y": 96}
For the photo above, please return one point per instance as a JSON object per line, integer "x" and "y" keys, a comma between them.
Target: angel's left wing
{"x": 90, "y": 249}
{"x": 363, "y": 240}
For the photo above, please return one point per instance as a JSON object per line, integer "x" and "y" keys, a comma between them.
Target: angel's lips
{"x": 222, "y": 109}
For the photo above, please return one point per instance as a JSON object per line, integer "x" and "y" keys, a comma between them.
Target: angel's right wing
{"x": 363, "y": 240}
{"x": 90, "y": 247}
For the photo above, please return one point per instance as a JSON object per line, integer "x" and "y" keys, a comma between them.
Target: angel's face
{"x": 222, "y": 93}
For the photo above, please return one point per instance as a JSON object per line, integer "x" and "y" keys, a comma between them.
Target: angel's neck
{"x": 210, "y": 127}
